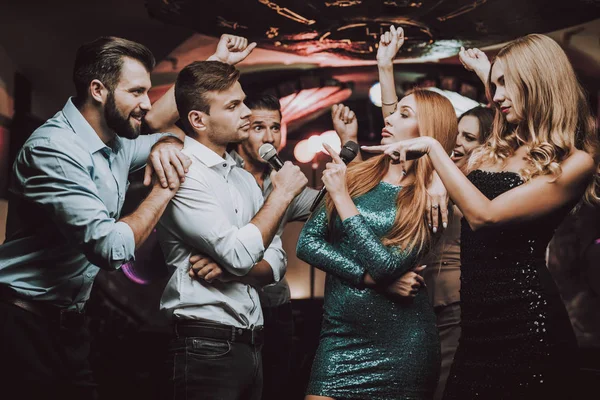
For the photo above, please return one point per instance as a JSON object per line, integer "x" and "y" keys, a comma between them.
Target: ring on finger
{"x": 435, "y": 206}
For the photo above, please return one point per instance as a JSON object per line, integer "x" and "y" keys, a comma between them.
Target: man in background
{"x": 275, "y": 300}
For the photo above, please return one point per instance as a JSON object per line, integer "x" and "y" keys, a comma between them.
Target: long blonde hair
{"x": 551, "y": 107}
{"x": 436, "y": 118}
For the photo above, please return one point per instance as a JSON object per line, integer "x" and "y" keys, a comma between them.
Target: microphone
{"x": 268, "y": 153}
{"x": 347, "y": 154}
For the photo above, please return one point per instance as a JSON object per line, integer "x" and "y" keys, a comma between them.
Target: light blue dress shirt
{"x": 67, "y": 190}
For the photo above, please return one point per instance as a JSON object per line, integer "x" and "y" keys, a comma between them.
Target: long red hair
{"x": 436, "y": 118}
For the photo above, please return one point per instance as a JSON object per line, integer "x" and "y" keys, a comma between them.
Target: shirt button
{"x": 236, "y": 210}
{"x": 224, "y": 165}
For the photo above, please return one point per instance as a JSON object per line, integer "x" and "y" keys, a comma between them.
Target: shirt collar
{"x": 83, "y": 129}
{"x": 206, "y": 156}
{"x": 237, "y": 158}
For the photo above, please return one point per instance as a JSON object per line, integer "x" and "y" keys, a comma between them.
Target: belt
{"x": 229, "y": 333}
{"x": 51, "y": 312}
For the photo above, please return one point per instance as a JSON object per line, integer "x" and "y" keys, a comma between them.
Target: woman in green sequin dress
{"x": 374, "y": 346}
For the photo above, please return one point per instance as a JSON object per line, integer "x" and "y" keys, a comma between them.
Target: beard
{"x": 119, "y": 123}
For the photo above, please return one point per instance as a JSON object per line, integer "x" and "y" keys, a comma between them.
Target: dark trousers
{"x": 209, "y": 369}
{"x": 277, "y": 351}
{"x": 43, "y": 358}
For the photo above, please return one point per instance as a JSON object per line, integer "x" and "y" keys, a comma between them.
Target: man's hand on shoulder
{"x": 168, "y": 163}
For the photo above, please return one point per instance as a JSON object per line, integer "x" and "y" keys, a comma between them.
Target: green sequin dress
{"x": 371, "y": 346}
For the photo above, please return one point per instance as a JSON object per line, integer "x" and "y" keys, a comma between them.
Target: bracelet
{"x": 389, "y": 104}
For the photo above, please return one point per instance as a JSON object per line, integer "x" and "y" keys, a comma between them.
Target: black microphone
{"x": 347, "y": 154}
{"x": 268, "y": 153}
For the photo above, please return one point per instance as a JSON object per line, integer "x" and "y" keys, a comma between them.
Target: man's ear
{"x": 197, "y": 120}
{"x": 98, "y": 91}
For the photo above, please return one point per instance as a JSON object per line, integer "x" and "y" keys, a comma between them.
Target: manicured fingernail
{"x": 435, "y": 229}
{"x": 445, "y": 225}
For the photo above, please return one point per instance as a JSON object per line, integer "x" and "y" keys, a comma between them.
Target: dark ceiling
{"x": 351, "y": 28}
{"x": 41, "y": 37}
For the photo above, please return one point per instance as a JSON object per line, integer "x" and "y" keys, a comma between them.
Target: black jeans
{"x": 277, "y": 351}
{"x": 207, "y": 369}
{"x": 43, "y": 359}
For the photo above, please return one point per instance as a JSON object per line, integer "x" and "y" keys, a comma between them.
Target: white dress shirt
{"x": 211, "y": 214}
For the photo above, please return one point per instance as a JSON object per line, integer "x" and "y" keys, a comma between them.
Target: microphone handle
{"x": 322, "y": 192}
{"x": 318, "y": 199}
{"x": 276, "y": 162}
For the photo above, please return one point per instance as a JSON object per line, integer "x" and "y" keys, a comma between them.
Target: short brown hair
{"x": 102, "y": 59}
{"x": 196, "y": 80}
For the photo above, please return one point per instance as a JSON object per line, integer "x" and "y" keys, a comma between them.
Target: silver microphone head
{"x": 267, "y": 151}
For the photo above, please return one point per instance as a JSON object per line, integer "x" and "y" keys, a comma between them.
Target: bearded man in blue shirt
{"x": 67, "y": 190}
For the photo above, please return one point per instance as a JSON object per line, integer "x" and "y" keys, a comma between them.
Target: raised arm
{"x": 540, "y": 196}
{"x": 389, "y": 44}
{"x": 345, "y": 125}
{"x": 288, "y": 182}
{"x": 162, "y": 117}
{"x": 476, "y": 60}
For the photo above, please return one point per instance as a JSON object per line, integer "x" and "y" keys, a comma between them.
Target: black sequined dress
{"x": 517, "y": 341}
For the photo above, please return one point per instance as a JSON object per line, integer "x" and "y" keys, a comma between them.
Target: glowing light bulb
{"x": 332, "y": 139}
{"x": 375, "y": 94}
{"x": 302, "y": 152}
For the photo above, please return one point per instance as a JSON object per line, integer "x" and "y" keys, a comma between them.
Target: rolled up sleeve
{"x": 123, "y": 247}
{"x": 57, "y": 177}
{"x": 249, "y": 236}
{"x": 277, "y": 259}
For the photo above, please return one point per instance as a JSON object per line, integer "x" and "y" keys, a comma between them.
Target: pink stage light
{"x": 305, "y": 150}
{"x": 135, "y": 276}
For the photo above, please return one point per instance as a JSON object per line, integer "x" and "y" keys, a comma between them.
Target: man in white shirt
{"x": 219, "y": 211}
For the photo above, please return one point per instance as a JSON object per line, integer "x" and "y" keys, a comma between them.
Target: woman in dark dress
{"x": 541, "y": 160}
